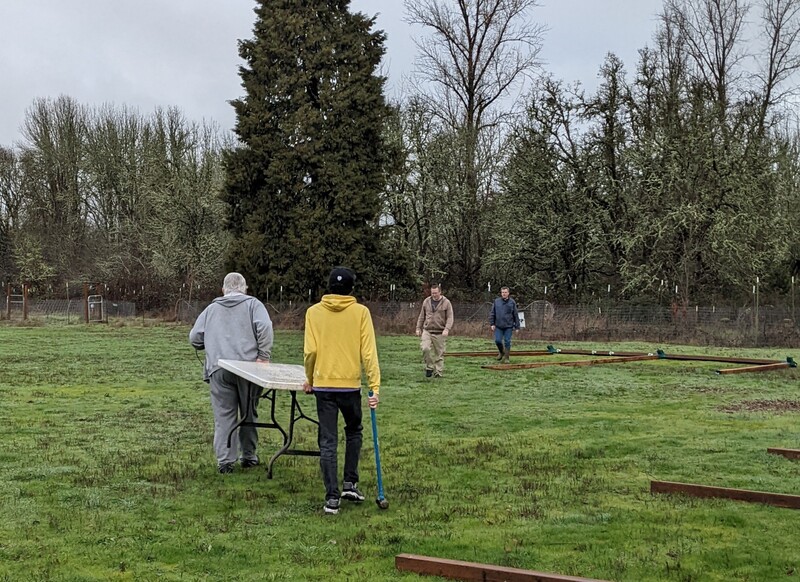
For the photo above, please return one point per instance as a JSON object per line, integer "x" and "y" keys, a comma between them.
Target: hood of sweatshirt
{"x": 231, "y": 300}
{"x": 333, "y": 302}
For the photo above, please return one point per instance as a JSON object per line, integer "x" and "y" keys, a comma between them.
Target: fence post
{"x": 8, "y": 301}
{"x": 757, "y": 321}
{"x": 24, "y": 302}
{"x": 574, "y": 311}
{"x": 544, "y": 310}
{"x": 86, "y": 302}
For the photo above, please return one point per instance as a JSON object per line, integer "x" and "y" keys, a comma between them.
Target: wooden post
{"x": 573, "y": 363}
{"x": 788, "y": 453}
{"x": 758, "y": 368}
{"x": 8, "y": 301}
{"x": 24, "y": 302}
{"x": 458, "y": 570}
{"x": 693, "y": 490}
{"x": 494, "y": 353}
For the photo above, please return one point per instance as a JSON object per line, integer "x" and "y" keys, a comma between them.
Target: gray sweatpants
{"x": 228, "y": 401}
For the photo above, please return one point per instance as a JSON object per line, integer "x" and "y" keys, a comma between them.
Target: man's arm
{"x": 197, "y": 335}
{"x": 449, "y": 325}
{"x": 515, "y": 313}
{"x": 262, "y": 324}
{"x": 421, "y": 318}
{"x": 369, "y": 356}
{"x": 492, "y": 315}
{"x": 309, "y": 352}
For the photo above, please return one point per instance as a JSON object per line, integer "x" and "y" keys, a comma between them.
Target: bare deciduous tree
{"x": 476, "y": 53}
{"x": 712, "y": 31}
{"x": 11, "y": 195}
{"x": 780, "y": 21}
{"x": 478, "y": 50}
{"x": 54, "y": 158}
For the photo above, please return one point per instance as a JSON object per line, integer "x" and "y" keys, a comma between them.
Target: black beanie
{"x": 341, "y": 281}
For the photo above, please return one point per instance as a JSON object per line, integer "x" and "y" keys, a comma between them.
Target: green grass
{"x": 107, "y": 471}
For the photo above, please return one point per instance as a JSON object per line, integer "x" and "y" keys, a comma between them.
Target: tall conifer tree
{"x": 303, "y": 185}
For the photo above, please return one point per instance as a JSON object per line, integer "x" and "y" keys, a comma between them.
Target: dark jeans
{"x": 328, "y": 406}
{"x": 502, "y": 335}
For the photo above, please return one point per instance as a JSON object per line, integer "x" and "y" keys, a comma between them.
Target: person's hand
{"x": 307, "y": 388}
{"x": 373, "y": 401}
{"x": 419, "y": 332}
{"x": 260, "y": 361}
{"x": 445, "y": 333}
{"x": 492, "y": 327}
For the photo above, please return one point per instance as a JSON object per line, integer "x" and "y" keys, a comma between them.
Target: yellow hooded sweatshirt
{"x": 339, "y": 339}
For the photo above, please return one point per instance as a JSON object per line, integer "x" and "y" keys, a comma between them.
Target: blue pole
{"x": 381, "y": 500}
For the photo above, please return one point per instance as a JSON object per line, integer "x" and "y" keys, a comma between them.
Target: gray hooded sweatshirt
{"x": 233, "y": 327}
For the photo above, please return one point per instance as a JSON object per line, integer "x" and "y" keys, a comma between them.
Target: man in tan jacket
{"x": 433, "y": 326}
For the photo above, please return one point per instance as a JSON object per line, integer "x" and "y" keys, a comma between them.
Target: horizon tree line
{"x": 684, "y": 173}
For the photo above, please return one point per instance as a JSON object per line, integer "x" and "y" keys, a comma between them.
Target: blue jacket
{"x": 504, "y": 313}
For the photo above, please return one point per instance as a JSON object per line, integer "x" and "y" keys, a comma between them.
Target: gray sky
{"x": 149, "y": 53}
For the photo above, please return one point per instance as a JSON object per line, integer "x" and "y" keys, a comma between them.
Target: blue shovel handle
{"x": 381, "y": 496}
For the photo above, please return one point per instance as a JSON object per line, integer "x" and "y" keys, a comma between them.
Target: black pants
{"x": 328, "y": 406}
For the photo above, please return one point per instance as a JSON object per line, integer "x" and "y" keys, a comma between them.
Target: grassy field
{"x": 107, "y": 472}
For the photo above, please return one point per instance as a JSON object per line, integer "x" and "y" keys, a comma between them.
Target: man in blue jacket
{"x": 235, "y": 326}
{"x": 503, "y": 319}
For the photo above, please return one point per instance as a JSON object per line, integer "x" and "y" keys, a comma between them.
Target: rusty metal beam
{"x": 707, "y": 491}
{"x": 472, "y": 571}
{"x": 758, "y": 368}
{"x": 788, "y": 453}
{"x": 529, "y": 365}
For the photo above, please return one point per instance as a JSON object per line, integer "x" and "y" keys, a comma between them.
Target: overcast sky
{"x": 149, "y": 53}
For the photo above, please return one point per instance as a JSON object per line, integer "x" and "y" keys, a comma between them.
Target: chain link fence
{"x": 700, "y": 325}
{"x": 69, "y": 310}
{"x": 769, "y": 325}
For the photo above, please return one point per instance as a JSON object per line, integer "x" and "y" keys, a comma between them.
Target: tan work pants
{"x": 433, "y": 347}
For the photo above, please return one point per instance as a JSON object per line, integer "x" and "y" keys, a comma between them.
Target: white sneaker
{"x": 332, "y": 506}
{"x": 351, "y": 493}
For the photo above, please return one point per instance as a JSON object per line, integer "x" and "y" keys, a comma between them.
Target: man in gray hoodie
{"x": 234, "y": 327}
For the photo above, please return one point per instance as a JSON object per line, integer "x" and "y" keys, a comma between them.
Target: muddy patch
{"x": 776, "y": 406}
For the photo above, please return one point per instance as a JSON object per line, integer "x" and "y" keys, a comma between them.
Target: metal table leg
{"x": 295, "y": 415}
{"x": 253, "y": 396}
{"x": 287, "y": 434}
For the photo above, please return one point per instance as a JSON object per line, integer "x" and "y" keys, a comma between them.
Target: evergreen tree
{"x": 304, "y": 185}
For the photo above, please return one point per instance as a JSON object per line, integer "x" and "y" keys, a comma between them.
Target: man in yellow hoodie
{"x": 339, "y": 340}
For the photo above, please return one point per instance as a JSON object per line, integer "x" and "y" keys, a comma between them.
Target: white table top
{"x": 270, "y": 376}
